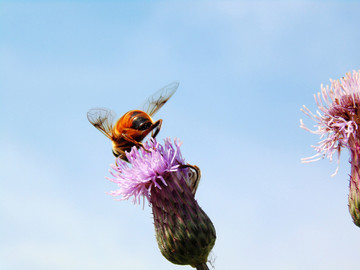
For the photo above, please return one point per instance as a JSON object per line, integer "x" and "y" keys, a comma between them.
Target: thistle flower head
{"x": 338, "y": 116}
{"x": 185, "y": 234}
{"x": 146, "y": 169}
{"x": 337, "y": 123}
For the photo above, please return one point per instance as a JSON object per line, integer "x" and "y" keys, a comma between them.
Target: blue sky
{"x": 245, "y": 69}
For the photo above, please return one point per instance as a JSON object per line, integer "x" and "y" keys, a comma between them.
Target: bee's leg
{"x": 120, "y": 154}
{"x": 136, "y": 143}
{"x": 129, "y": 139}
{"x": 157, "y": 127}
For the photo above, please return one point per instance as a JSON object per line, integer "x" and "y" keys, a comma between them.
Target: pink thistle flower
{"x": 337, "y": 123}
{"x": 158, "y": 173}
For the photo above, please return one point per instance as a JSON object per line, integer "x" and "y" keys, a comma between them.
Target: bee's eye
{"x": 141, "y": 123}
{"x": 145, "y": 126}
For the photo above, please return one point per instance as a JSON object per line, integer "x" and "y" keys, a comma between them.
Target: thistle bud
{"x": 184, "y": 233}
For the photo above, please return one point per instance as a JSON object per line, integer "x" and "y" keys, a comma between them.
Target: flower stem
{"x": 354, "y": 193}
{"x": 202, "y": 266}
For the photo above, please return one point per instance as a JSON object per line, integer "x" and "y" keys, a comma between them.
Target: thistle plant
{"x": 158, "y": 173}
{"x": 337, "y": 123}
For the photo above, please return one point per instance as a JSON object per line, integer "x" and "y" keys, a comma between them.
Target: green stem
{"x": 202, "y": 266}
{"x": 354, "y": 193}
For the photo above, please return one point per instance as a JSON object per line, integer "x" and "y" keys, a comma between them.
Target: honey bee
{"x": 133, "y": 126}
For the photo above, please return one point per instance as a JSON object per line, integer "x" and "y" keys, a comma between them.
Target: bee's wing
{"x": 157, "y": 100}
{"x": 102, "y": 119}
